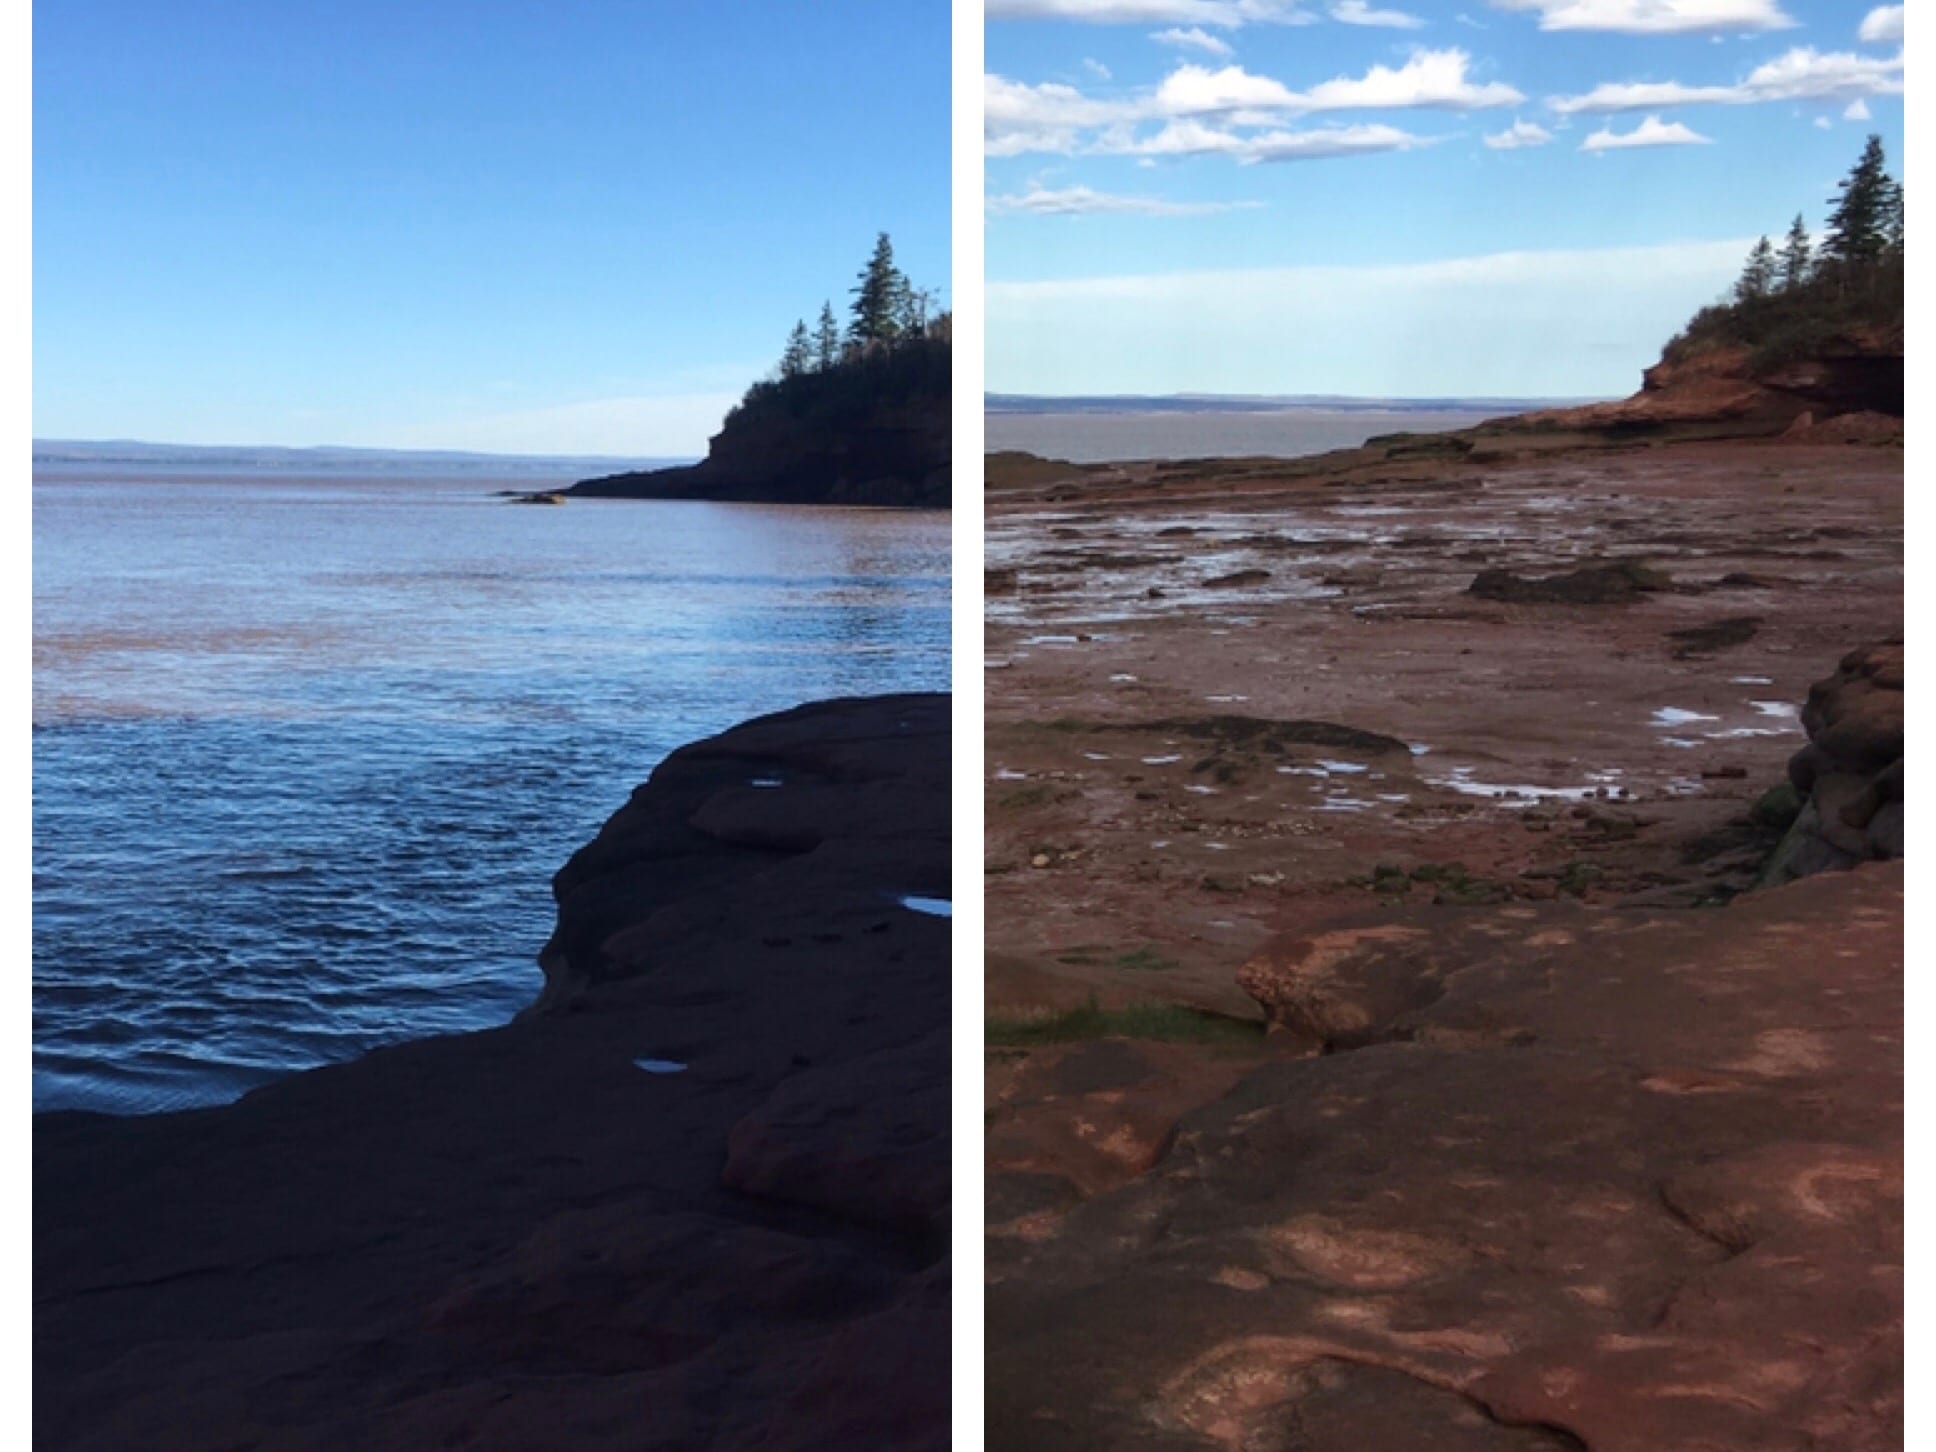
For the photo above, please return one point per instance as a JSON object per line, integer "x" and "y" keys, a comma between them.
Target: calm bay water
{"x": 307, "y": 750}
{"x": 1108, "y": 437}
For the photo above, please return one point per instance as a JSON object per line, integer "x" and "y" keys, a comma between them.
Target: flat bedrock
{"x": 1450, "y": 1083}
{"x": 1520, "y": 1177}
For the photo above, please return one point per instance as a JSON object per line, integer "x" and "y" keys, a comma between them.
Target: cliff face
{"x": 1729, "y": 391}
{"x": 874, "y": 430}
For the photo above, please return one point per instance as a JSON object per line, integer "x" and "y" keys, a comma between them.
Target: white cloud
{"x": 1020, "y": 118}
{"x": 1224, "y": 13}
{"x": 1807, "y": 74}
{"x": 1526, "y": 323}
{"x": 1642, "y": 96}
{"x": 1858, "y": 110}
{"x": 1358, "y": 12}
{"x": 1655, "y": 17}
{"x": 1520, "y": 133}
{"x": 1194, "y": 38}
{"x": 1822, "y": 123}
{"x": 1095, "y": 68}
{"x": 1650, "y": 132}
{"x": 1431, "y": 78}
{"x": 1434, "y": 78}
{"x": 1193, "y": 90}
{"x": 1881, "y": 26}
{"x": 1800, "y": 74}
{"x": 1079, "y": 201}
{"x": 1327, "y": 141}
{"x": 1187, "y": 137}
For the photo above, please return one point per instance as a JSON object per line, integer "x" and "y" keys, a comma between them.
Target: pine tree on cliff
{"x": 826, "y": 339}
{"x": 798, "y": 357}
{"x": 1797, "y": 257}
{"x": 1858, "y": 228}
{"x": 880, "y": 298}
{"x": 1757, "y": 278}
{"x": 918, "y": 308}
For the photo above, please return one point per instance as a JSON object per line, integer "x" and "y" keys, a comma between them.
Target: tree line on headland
{"x": 859, "y": 416}
{"x": 895, "y": 347}
{"x": 887, "y": 310}
{"x": 1789, "y": 300}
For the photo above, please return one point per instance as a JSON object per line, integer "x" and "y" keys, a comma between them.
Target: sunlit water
{"x": 308, "y": 751}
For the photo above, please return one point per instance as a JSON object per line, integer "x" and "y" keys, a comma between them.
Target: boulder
{"x": 1850, "y": 773}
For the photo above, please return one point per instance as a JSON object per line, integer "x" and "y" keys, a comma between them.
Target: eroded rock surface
{"x": 1848, "y": 780}
{"x": 1618, "y": 1180}
{"x": 1533, "y": 1143}
{"x": 701, "y": 1203}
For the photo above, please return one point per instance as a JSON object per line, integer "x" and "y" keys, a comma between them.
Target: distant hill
{"x": 1254, "y": 403}
{"x": 329, "y": 460}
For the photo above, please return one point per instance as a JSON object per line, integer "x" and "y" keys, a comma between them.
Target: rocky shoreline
{"x": 697, "y": 1197}
{"x": 875, "y": 432}
{"x": 1388, "y": 1044}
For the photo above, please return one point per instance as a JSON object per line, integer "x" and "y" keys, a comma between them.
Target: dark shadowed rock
{"x": 1697, "y": 640}
{"x": 875, "y": 430}
{"x": 524, "y": 1238}
{"x": 1604, "y": 584}
{"x": 1851, "y": 771}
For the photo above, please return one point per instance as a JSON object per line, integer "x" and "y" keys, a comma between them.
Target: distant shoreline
{"x": 1097, "y": 436}
{"x": 330, "y": 458}
{"x": 1133, "y": 404}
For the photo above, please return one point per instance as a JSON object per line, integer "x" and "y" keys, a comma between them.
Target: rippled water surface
{"x": 308, "y": 750}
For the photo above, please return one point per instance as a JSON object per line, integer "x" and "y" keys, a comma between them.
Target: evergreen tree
{"x": 1797, "y": 257}
{"x": 1858, "y": 228}
{"x": 919, "y": 307}
{"x": 880, "y": 298}
{"x": 826, "y": 339}
{"x": 798, "y": 358}
{"x": 1757, "y": 278}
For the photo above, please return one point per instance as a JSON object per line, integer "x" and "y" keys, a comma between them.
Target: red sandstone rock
{"x": 1582, "y": 1167}
{"x": 1629, "y": 1178}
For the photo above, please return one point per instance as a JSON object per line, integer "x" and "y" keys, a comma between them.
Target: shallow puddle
{"x": 1676, "y": 716}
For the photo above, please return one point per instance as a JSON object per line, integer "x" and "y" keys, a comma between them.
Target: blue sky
{"x": 502, "y": 226}
{"x": 1514, "y": 198}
